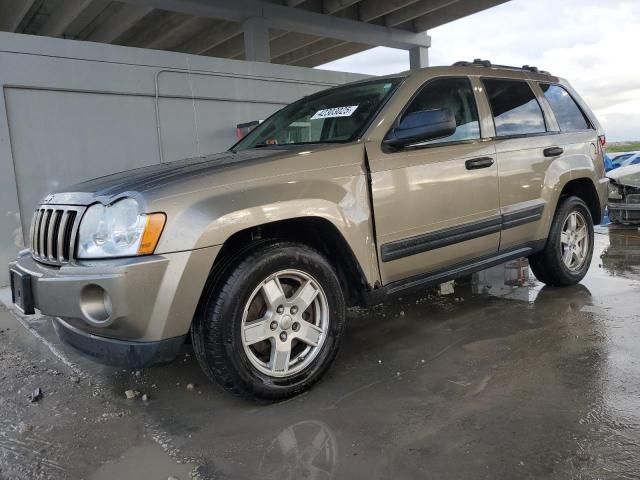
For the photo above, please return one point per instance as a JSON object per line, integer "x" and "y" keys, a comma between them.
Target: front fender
{"x": 343, "y": 201}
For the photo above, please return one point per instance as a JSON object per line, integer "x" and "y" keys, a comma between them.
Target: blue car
{"x": 632, "y": 160}
{"x": 620, "y": 160}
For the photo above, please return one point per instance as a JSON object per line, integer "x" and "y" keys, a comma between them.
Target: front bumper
{"x": 623, "y": 206}
{"x": 124, "y": 311}
{"x": 119, "y": 353}
{"x": 626, "y": 213}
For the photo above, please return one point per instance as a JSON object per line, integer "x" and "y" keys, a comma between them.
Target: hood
{"x": 629, "y": 175}
{"x": 154, "y": 177}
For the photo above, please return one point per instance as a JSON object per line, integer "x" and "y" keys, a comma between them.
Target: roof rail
{"x": 487, "y": 64}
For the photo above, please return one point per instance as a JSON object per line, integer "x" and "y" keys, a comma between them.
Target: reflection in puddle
{"x": 305, "y": 450}
{"x": 622, "y": 256}
{"x": 511, "y": 280}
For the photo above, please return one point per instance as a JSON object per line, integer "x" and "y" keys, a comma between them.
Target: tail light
{"x": 603, "y": 140}
{"x": 242, "y": 129}
{"x": 602, "y": 144}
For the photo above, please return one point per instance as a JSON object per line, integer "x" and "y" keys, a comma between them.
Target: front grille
{"x": 54, "y": 229}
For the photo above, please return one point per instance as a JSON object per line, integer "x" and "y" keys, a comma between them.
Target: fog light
{"x": 95, "y": 304}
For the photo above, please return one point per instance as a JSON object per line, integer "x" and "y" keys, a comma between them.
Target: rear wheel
{"x": 271, "y": 327}
{"x": 567, "y": 255}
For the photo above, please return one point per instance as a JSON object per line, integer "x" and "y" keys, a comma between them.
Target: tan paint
{"x": 324, "y": 182}
{"x": 414, "y": 192}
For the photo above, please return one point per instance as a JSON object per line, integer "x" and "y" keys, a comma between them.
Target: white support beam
{"x": 122, "y": 20}
{"x": 13, "y": 12}
{"x": 227, "y": 45}
{"x": 63, "y": 16}
{"x": 418, "y": 58}
{"x": 256, "y": 40}
{"x": 416, "y": 10}
{"x": 292, "y": 19}
{"x": 309, "y": 52}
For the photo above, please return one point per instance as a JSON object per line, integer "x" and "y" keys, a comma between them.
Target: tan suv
{"x": 339, "y": 199}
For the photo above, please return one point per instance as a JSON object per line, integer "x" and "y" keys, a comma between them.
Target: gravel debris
{"x": 131, "y": 394}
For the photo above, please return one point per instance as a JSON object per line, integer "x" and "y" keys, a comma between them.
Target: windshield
{"x": 337, "y": 115}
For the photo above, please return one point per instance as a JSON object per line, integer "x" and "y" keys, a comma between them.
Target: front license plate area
{"x": 21, "y": 291}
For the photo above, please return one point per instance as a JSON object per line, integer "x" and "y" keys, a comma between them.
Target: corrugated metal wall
{"x": 71, "y": 111}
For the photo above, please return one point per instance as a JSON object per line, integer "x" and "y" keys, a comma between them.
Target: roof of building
{"x": 300, "y": 32}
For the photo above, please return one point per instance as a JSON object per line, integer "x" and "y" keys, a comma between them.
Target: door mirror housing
{"x": 421, "y": 126}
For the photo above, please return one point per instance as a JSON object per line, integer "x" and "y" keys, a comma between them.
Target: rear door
{"x": 577, "y": 135}
{"x": 436, "y": 203}
{"x": 525, "y": 148}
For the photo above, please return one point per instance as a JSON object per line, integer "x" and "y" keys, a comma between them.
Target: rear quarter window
{"x": 515, "y": 109}
{"x": 568, "y": 114}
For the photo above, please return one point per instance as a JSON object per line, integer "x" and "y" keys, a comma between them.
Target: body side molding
{"x": 449, "y": 236}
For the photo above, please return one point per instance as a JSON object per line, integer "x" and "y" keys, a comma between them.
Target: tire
{"x": 548, "y": 265}
{"x": 243, "y": 306}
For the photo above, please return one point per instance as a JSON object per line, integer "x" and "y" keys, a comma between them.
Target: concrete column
{"x": 256, "y": 40}
{"x": 418, "y": 57}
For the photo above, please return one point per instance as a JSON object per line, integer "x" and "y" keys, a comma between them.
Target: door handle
{"x": 476, "y": 163}
{"x": 553, "y": 151}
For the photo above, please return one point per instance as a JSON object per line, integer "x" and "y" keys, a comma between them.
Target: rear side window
{"x": 515, "y": 108}
{"x": 456, "y": 95}
{"x": 568, "y": 114}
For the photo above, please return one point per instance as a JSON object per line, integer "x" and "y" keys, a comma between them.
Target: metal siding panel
{"x": 77, "y": 110}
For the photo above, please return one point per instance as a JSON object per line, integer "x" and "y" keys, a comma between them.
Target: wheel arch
{"x": 584, "y": 189}
{"x": 315, "y": 232}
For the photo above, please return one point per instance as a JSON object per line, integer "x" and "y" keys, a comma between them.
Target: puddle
{"x": 147, "y": 461}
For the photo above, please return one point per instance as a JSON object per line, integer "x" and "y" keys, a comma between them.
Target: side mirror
{"x": 421, "y": 126}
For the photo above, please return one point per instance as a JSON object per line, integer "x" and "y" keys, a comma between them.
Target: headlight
{"x": 614, "y": 192}
{"x": 118, "y": 230}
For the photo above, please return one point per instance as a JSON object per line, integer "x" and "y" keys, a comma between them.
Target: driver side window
{"x": 456, "y": 95}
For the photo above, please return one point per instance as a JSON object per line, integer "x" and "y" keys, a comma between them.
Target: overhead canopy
{"x": 291, "y": 32}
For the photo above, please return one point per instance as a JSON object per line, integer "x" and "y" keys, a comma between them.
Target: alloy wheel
{"x": 285, "y": 323}
{"x": 574, "y": 241}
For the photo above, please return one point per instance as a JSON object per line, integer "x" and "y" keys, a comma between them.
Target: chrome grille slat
{"x": 71, "y": 243}
{"x": 53, "y": 233}
{"x": 37, "y": 241}
{"x": 52, "y": 236}
{"x": 61, "y": 231}
{"x": 32, "y": 232}
{"x": 45, "y": 235}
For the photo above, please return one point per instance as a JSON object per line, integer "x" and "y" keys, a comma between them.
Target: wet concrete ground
{"x": 503, "y": 379}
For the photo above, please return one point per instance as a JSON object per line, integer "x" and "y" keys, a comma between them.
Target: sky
{"x": 592, "y": 43}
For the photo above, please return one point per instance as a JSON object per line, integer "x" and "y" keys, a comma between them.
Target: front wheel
{"x": 567, "y": 254}
{"x": 271, "y": 327}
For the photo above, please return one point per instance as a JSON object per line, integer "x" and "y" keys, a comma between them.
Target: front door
{"x": 436, "y": 203}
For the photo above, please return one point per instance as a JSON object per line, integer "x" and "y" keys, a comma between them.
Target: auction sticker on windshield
{"x": 335, "y": 112}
